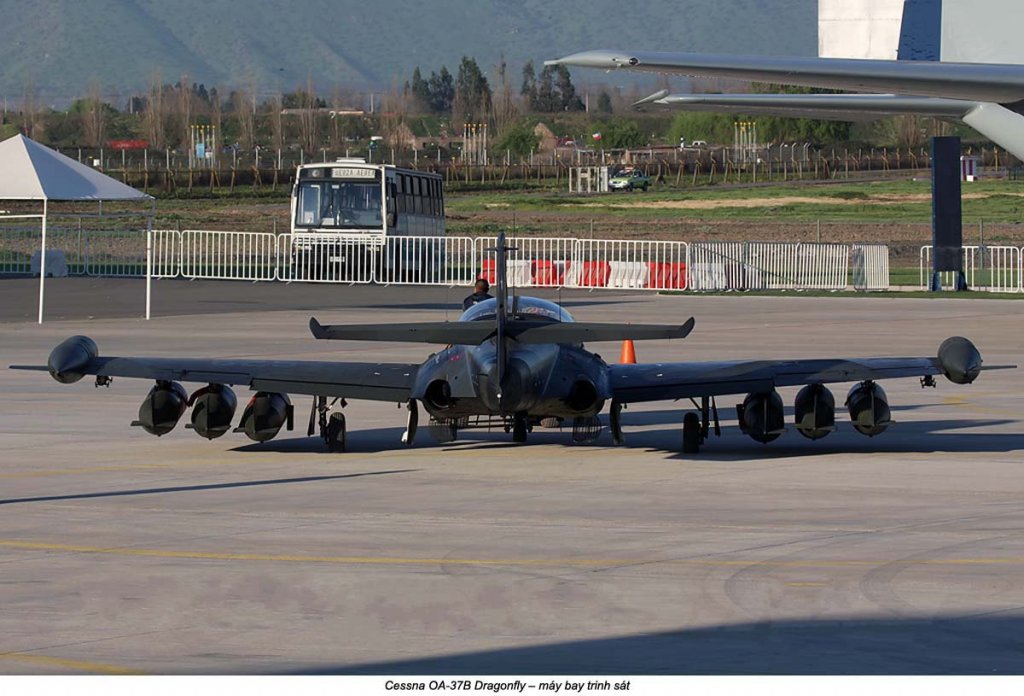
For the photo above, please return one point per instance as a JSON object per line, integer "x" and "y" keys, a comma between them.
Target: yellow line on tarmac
{"x": 62, "y": 663}
{"x": 536, "y": 562}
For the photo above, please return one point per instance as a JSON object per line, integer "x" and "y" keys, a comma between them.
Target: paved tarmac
{"x": 121, "y": 552}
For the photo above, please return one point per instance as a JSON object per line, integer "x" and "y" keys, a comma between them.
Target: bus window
{"x": 308, "y": 208}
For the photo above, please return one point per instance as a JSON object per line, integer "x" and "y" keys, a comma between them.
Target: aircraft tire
{"x": 691, "y": 433}
{"x": 519, "y": 428}
{"x": 336, "y": 433}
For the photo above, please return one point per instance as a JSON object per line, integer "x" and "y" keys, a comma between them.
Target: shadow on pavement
{"x": 862, "y": 646}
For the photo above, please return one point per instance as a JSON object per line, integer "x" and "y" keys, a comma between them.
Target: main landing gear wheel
{"x": 336, "y": 435}
{"x": 519, "y": 428}
{"x": 691, "y": 433}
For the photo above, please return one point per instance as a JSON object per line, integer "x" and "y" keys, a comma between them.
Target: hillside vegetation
{"x": 59, "y": 46}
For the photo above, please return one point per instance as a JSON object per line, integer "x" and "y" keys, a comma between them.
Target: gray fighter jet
{"x": 513, "y": 362}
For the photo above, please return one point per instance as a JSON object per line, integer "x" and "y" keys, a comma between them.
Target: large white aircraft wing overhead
{"x": 1002, "y": 84}
{"x": 834, "y": 107}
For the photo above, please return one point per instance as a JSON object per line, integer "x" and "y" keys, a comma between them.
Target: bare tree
{"x": 94, "y": 116}
{"x": 216, "y": 112}
{"x": 505, "y": 110}
{"x": 241, "y": 105}
{"x": 184, "y": 108}
{"x": 154, "y": 117}
{"x": 395, "y": 110}
{"x": 31, "y": 113}
{"x": 308, "y": 122}
{"x": 276, "y": 122}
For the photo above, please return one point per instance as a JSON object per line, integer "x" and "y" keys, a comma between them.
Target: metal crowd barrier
{"x": 450, "y": 261}
{"x": 209, "y": 254}
{"x": 768, "y": 266}
{"x": 870, "y": 267}
{"x": 991, "y": 268}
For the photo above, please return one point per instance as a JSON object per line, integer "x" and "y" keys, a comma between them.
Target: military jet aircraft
{"x": 515, "y": 362}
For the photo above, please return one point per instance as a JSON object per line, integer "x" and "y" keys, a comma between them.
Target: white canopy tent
{"x": 33, "y": 172}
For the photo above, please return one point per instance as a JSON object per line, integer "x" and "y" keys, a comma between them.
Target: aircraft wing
{"x": 1002, "y": 84}
{"x": 371, "y": 381}
{"x": 662, "y": 381}
{"x": 834, "y": 107}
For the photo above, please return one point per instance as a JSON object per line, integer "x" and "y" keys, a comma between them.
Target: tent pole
{"x": 42, "y": 263}
{"x": 149, "y": 259}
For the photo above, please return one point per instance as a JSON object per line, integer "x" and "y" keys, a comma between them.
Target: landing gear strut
{"x": 691, "y": 433}
{"x": 414, "y": 418}
{"x": 615, "y": 423}
{"x": 330, "y": 424}
{"x": 519, "y": 427}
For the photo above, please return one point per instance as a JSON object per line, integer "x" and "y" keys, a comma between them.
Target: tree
{"x": 621, "y": 134}
{"x": 94, "y": 116}
{"x": 442, "y": 91}
{"x": 554, "y": 91}
{"x": 419, "y": 90}
{"x": 505, "y": 110}
{"x": 689, "y": 126}
{"x": 529, "y": 88}
{"x": 519, "y": 140}
{"x": 472, "y": 90}
{"x": 819, "y": 132}
{"x": 604, "y": 103}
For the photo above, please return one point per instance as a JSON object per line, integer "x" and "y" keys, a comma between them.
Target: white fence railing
{"x": 228, "y": 255}
{"x": 991, "y": 268}
{"x": 870, "y": 266}
{"x": 768, "y": 266}
{"x": 450, "y": 261}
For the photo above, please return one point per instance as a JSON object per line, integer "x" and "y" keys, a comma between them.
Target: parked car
{"x": 628, "y": 179}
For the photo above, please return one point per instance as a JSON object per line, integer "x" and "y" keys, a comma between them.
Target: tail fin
{"x": 501, "y": 273}
{"x": 921, "y": 30}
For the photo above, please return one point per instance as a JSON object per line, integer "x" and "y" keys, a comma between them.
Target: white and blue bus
{"x": 356, "y": 221}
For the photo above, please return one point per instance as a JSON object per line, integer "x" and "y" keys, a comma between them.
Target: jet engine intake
{"x": 265, "y": 415}
{"x": 960, "y": 360}
{"x": 762, "y": 416}
{"x": 438, "y": 395}
{"x": 68, "y": 360}
{"x": 583, "y": 397}
{"x": 213, "y": 407}
{"x": 869, "y": 409}
{"x": 162, "y": 408}
{"x": 815, "y": 411}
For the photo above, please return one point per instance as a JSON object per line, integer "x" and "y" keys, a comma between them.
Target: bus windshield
{"x": 339, "y": 204}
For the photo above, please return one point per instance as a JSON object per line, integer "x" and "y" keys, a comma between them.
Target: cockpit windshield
{"x": 340, "y": 204}
{"x": 521, "y": 308}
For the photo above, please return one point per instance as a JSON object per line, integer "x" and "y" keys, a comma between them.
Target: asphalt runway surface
{"x": 121, "y": 552}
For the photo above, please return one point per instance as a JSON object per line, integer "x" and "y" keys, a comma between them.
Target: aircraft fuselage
{"x": 541, "y": 380}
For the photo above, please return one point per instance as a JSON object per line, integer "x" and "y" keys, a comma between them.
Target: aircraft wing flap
{"x": 372, "y": 381}
{"x": 837, "y": 107}
{"x": 663, "y": 381}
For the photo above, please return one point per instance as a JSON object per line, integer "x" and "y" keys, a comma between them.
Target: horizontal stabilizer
{"x": 472, "y": 333}
{"x": 442, "y": 332}
{"x": 582, "y": 332}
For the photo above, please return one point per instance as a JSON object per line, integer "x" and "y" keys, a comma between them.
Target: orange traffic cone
{"x": 628, "y": 353}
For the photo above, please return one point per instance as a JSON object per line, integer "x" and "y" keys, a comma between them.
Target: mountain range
{"x": 59, "y": 47}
